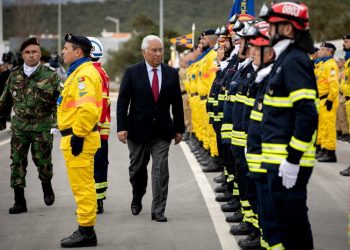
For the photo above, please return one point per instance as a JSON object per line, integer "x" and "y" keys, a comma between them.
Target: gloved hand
{"x": 54, "y": 131}
{"x": 3, "y": 123}
{"x": 329, "y": 105}
{"x": 77, "y": 144}
{"x": 289, "y": 173}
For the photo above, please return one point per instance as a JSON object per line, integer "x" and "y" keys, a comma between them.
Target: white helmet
{"x": 97, "y": 48}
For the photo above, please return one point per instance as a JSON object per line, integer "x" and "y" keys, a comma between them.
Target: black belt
{"x": 324, "y": 96}
{"x": 203, "y": 98}
{"x": 347, "y": 98}
{"x": 69, "y": 131}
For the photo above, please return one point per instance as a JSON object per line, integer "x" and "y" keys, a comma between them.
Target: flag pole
{"x": 193, "y": 33}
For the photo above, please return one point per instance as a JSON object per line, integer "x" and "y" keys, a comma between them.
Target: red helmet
{"x": 260, "y": 34}
{"x": 295, "y": 13}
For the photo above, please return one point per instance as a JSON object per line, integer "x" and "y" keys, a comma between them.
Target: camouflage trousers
{"x": 40, "y": 144}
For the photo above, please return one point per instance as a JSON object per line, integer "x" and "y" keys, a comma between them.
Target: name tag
{"x": 59, "y": 100}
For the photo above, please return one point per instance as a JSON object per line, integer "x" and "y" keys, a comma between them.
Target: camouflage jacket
{"x": 33, "y": 99}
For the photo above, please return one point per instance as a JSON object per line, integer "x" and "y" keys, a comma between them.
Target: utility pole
{"x": 116, "y": 21}
{"x": 1, "y": 30}
{"x": 59, "y": 28}
{"x": 161, "y": 29}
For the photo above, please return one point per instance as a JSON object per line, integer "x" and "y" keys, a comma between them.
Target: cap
{"x": 78, "y": 40}
{"x": 328, "y": 45}
{"x": 29, "y": 41}
{"x": 208, "y": 32}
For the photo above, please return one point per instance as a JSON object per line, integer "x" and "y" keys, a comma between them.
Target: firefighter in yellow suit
{"x": 328, "y": 90}
{"x": 79, "y": 109}
{"x": 345, "y": 88}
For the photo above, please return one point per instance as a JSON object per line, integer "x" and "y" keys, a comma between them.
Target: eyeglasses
{"x": 154, "y": 50}
{"x": 29, "y": 52}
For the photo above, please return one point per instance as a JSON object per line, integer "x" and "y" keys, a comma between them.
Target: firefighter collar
{"x": 281, "y": 46}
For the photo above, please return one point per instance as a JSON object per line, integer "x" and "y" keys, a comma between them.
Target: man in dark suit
{"x": 147, "y": 93}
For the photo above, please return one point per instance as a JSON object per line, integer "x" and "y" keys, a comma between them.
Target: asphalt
{"x": 194, "y": 218}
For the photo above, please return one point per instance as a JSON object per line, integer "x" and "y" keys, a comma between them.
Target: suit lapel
{"x": 164, "y": 81}
{"x": 145, "y": 79}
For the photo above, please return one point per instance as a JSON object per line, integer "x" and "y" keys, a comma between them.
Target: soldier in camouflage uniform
{"x": 32, "y": 90}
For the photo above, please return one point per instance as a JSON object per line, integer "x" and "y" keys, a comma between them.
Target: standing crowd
{"x": 261, "y": 106}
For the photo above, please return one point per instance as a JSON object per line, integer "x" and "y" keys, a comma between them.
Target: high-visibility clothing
{"x": 345, "y": 88}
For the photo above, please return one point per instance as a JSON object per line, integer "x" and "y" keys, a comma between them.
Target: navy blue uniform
{"x": 289, "y": 132}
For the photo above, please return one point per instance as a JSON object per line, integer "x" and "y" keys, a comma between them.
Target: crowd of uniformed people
{"x": 261, "y": 105}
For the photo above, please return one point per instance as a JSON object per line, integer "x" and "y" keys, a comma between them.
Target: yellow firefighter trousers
{"x": 347, "y": 107}
{"x": 80, "y": 171}
{"x": 326, "y": 136}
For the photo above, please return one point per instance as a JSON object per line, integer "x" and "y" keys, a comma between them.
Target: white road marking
{"x": 217, "y": 216}
{"x": 4, "y": 142}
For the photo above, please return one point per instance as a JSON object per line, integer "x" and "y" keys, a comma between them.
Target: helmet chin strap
{"x": 277, "y": 37}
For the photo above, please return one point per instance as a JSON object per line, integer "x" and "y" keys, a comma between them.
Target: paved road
{"x": 195, "y": 219}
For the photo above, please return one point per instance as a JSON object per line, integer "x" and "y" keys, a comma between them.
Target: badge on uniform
{"x": 332, "y": 72}
{"x": 260, "y": 105}
{"x": 81, "y": 86}
{"x": 59, "y": 100}
{"x": 14, "y": 93}
{"x": 81, "y": 79}
{"x": 248, "y": 75}
{"x": 270, "y": 91}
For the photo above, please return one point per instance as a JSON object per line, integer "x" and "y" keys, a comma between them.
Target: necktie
{"x": 155, "y": 85}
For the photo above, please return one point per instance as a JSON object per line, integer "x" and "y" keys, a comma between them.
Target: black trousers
{"x": 291, "y": 210}
{"x": 139, "y": 154}
{"x": 101, "y": 170}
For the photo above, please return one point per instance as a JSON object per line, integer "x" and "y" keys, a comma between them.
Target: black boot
{"x": 235, "y": 217}
{"x": 49, "y": 195}
{"x": 221, "y": 188}
{"x": 252, "y": 241}
{"x": 244, "y": 228}
{"x": 339, "y": 135}
{"x": 320, "y": 153}
{"x": 100, "y": 209}
{"x": 329, "y": 156}
{"x": 20, "y": 205}
{"x": 83, "y": 237}
{"x": 231, "y": 206}
{"x": 220, "y": 178}
{"x": 345, "y": 172}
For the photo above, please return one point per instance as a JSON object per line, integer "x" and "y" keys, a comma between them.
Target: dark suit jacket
{"x": 137, "y": 111}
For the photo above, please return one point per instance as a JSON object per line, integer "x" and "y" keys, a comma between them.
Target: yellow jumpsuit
{"x": 345, "y": 87}
{"x": 328, "y": 89}
{"x": 79, "y": 108}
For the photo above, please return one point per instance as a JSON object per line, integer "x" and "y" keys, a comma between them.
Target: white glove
{"x": 54, "y": 131}
{"x": 289, "y": 173}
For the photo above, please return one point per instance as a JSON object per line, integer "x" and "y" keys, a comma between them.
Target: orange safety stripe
{"x": 86, "y": 99}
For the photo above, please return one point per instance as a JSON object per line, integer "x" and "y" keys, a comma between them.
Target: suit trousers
{"x": 139, "y": 154}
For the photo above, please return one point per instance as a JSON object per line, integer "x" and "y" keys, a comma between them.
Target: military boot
{"x": 83, "y": 237}
{"x": 20, "y": 205}
{"x": 100, "y": 209}
{"x": 49, "y": 195}
{"x": 329, "y": 156}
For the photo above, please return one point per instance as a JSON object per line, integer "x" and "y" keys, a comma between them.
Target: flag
{"x": 185, "y": 40}
{"x": 242, "y": 6}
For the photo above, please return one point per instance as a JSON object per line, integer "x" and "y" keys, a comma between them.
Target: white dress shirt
{"x": 150, "y": 74}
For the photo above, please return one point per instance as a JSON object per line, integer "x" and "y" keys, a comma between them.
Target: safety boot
{"x": 320, "y": 153}
{"x": 329, "y": 156}
{"x": 83, "y": 237}
{"x": 100, "y": 209}
{"x": 20, "y": 205}
{"x": 220, "y": 178}
{"x": 252, "y": 241}
{"x": 339, "y": 135}
{"x": 244, "y": 228}
{"x": 49, "y": 195}
{"x": 345, "y": 172}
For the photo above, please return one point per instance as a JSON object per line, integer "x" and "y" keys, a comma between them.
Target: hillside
{"x": 328, "y": 21}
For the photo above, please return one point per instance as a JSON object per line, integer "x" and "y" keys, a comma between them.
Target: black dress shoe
{"x": 235, "y": 217}
{"x": 136, "y": 208}
{"x": 231, "y": 206}
{"x": 220, "y": 178}
{"x": 83, "y": 237}
{"x": 244, "y": 228}
{"x": 159, "y": 217}
{"x": 345, "y": 172}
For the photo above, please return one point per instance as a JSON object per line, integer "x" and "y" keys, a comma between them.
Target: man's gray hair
{"x": 147, "y": 39}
